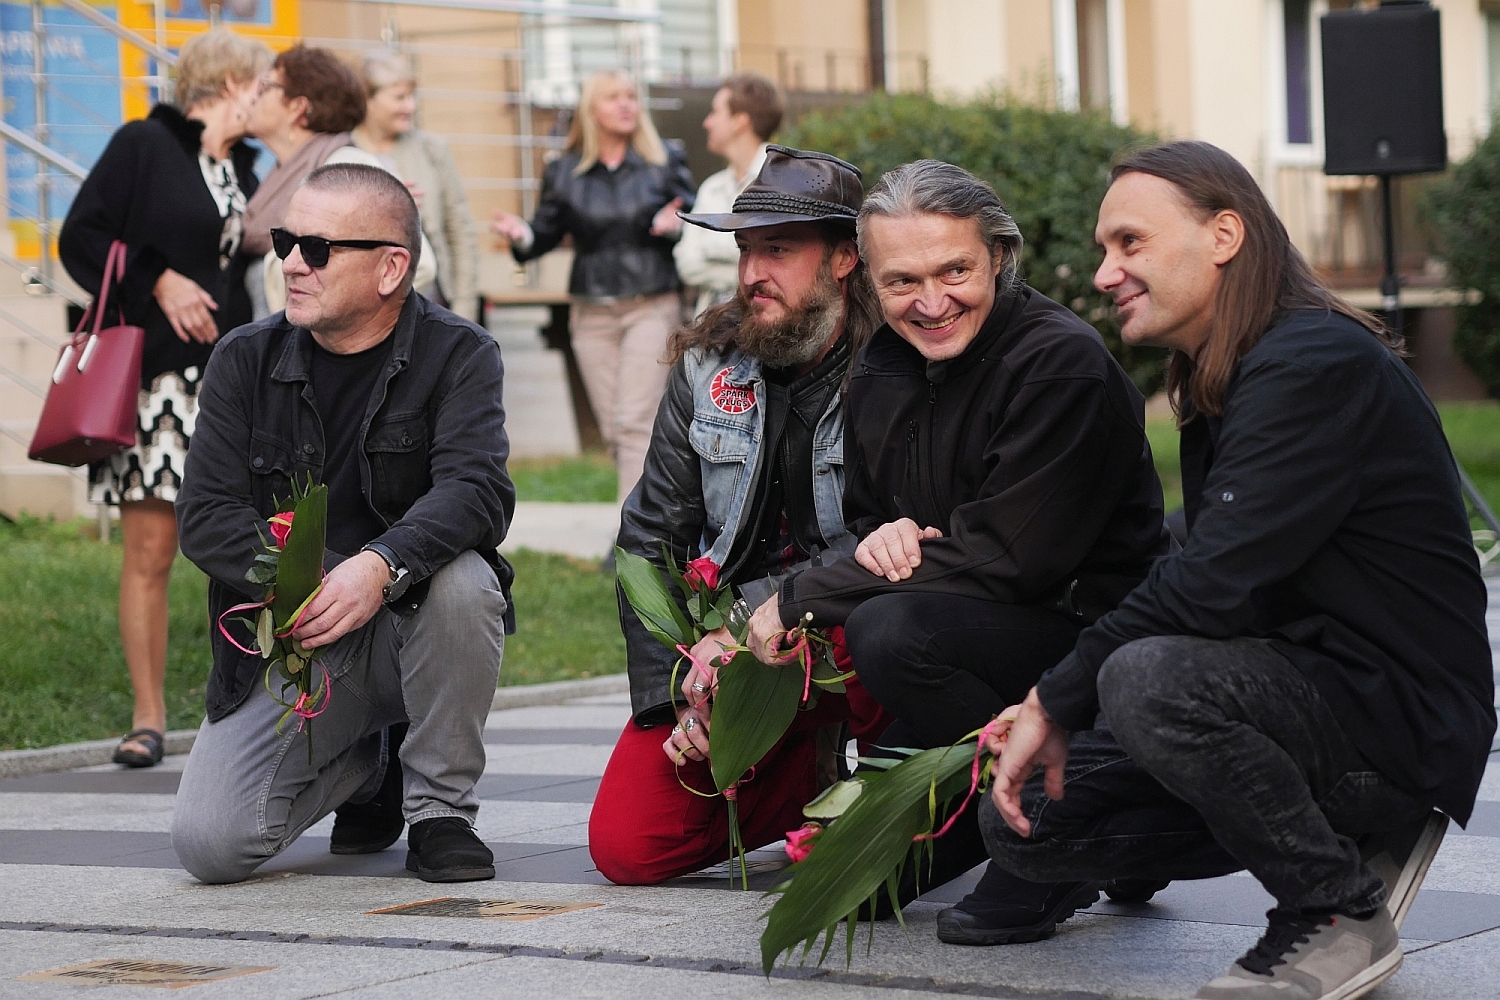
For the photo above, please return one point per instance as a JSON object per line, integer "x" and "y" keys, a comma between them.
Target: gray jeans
{"x": 247, "y": 793}
{"x": 1219, "y": 755}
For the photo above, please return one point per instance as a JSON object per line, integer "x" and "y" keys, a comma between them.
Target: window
{"x": 1297, "y": 42}
{"x": 1492, "y": 33}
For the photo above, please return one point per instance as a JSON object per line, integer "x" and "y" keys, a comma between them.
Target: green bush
{"x": 1049, "y": 167}
{"x": 1466, "y": 210}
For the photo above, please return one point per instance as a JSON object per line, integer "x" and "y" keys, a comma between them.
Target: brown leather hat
{"x": 795, "y": 185}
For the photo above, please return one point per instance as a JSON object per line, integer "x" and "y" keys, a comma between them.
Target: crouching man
{"x": 745, "y": 468}
{"x": 393, "y": 403}
{"x": 1297, "y": 689}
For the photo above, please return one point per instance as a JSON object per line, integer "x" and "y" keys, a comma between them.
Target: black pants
{"x": 944, "y": 667}
{"x": 1218, "y": 755}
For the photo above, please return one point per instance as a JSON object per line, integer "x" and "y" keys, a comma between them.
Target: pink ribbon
{"x": 984, "y": 734}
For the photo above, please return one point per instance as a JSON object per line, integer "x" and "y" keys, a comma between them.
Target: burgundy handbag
{"x": 90, "y": 412}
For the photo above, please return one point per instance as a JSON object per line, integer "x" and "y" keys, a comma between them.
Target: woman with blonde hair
{"x": 616, "y": 190}
{"x": 426, "y": 164}
{"x": 173, "y": 188}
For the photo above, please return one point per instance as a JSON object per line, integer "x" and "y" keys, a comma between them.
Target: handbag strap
{"x": 114, "y": 271}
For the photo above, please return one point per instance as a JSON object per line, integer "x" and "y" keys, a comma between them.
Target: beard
{"x": 802, "y": 334}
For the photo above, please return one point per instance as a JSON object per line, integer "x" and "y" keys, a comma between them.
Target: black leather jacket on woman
{"x": 608, "y": 213}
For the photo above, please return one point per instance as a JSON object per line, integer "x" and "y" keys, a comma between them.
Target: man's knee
{"x": 1150, "y": 682}
{"x": 466, "y": 588}
{"x": 211, "y": 849}
{"x": 881, "y": 634}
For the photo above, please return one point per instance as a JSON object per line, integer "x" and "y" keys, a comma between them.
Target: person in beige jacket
{"x": 426, "y": 164}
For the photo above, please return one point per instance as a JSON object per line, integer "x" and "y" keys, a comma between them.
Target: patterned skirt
{"x": 153, "y": 468}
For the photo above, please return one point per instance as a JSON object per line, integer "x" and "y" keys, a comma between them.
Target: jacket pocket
{"x": 273, "y": 464}
{"x": 717, "y": 443}
{"x": 400, "y": 466}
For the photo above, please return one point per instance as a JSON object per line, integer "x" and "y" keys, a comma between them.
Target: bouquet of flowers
{"x": 753, "y": 703}
{"x": 885, "y": 819}
{"x": 291, "y": 570}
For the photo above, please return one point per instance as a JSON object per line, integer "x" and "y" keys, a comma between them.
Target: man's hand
{"x": 699, "y": 684}
{"x": 689, "y": 737}
{"x": 893, "y": 550}
{"x": 187, "y": 307}
{"x": 666, "y": 222}
{"x": 1031, "y": 740}
{"x": 766, "y": 632}
{"x": 351, "y": 595}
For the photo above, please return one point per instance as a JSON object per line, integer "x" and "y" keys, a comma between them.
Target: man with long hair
{"x": 746, "y": 469}
{"x": 1301, "y": 686}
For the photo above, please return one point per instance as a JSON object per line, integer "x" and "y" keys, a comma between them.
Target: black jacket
{"x": 148, "y": 190}
{"x": 433, "y": 442}
{"x": 1324, "y": 512}
{"x": 608, "y": 213}
{"x": 1028, "y": 450}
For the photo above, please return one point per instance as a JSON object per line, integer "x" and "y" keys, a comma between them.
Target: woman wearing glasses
{"x": 173, "y": 188}
{"x": 616, "y": 190}
{"x": 306, "y": 106}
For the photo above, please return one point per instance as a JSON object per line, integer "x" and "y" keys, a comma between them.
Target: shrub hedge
{"x": 1466, "y": 210}
{"x": 1050, "y": 168}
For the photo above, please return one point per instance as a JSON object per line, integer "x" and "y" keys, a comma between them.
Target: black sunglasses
{"x": 315, "y": 248}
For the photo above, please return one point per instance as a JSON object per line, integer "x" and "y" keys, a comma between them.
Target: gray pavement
{"x": 87, "y": 873}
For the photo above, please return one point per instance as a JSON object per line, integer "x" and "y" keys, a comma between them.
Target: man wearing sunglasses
{"x": 394, "y": 403}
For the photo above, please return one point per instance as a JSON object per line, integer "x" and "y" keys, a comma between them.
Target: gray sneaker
{"x": 1401, "y": 859}
{"x": 1313, "y": 958}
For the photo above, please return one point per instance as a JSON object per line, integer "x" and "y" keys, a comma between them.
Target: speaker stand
{"x": 1390, "y": 283}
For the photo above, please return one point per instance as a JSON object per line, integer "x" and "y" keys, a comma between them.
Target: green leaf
{"x": 265, "y": 635}
{"x": 652, "y": 602}
{"x": 835, "y": 800}
{"x": 860, "y": 852}
{"x": 754, "y": 706}
{"x": 299, "y": 571}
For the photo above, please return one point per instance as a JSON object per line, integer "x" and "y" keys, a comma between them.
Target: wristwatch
{"x": 400, "y": 575}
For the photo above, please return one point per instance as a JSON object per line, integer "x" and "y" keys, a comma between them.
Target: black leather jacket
{"x": 608, "y": 213}
{"x": 433, "y": 447}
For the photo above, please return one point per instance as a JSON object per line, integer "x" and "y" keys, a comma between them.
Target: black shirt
{"x": 1324, "y": 512}
{"x": 342, "y": 385}
{"x": 784, "y": 514}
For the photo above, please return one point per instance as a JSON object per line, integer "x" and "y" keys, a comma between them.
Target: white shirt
{"x": 710, "y": 260}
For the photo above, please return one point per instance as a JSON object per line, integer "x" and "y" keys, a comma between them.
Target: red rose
{"x": 281, "y": 526}
{"x": 702, "y": 574}
{"x": 799, "y": 842}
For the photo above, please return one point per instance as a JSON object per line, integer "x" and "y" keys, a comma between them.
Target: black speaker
{"x": 1383, "y": 91}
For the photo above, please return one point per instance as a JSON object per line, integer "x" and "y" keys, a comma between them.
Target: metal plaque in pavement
{"x": 485, "y": 909}
{"x": 142, "y": 972}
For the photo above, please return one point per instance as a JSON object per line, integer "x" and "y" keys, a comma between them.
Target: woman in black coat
{"x": 616, "y": 190}
{"x": 173, "y": 188}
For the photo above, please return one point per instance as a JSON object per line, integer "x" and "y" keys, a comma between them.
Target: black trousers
{"x": 944, "y": 667}
{"x": 1217, "y": 755}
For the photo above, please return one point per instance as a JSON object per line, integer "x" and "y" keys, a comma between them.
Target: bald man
{"x": 394, "y": 403}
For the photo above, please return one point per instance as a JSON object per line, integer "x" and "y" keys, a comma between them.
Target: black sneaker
{"x": 447, "y": 849}
{"x": 1004, "y": 909}
{"x": 1133, "y": 891}
{"x": 373, "y": 826}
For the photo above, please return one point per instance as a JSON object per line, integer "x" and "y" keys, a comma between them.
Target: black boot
{"x": 1004, "y": 909}
{"x": 447, "y": 849}
{"x": 1133, "y": 890}
{"x": 377, "y": 824}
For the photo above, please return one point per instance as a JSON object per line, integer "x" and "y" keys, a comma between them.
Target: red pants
{"x": 646, "y": 828}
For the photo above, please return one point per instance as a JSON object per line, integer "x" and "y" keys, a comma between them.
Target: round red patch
{"x": 729, "y": 397}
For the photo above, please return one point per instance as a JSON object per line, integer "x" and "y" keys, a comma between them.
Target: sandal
{"x": 150, "y": 738}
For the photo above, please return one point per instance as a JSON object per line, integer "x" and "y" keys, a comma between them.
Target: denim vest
{"x": 727, "y": 432}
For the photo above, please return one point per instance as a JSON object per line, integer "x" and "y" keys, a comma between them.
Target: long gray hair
{"x": 932, "y": 187}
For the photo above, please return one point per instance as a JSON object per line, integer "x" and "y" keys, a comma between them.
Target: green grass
{"x": 1473, "y": 430}
{"x": 588, "y": 478}
{"x": 62, "y": 674}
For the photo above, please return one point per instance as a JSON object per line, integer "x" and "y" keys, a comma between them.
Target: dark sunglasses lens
{"x": 314, "y": 248}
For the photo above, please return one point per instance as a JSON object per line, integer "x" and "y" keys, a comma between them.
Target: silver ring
{"x": 688, "y": 724}
{"x": 676, "y": 730}
{"x": 700, "y": 688}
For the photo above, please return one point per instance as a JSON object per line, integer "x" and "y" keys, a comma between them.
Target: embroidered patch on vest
{"x": 729, "y": 397}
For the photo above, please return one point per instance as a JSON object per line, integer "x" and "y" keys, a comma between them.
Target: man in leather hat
{"x": 745, "y": 468}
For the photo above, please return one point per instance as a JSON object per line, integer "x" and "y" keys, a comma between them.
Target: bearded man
{"x": 745, "y": 468}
